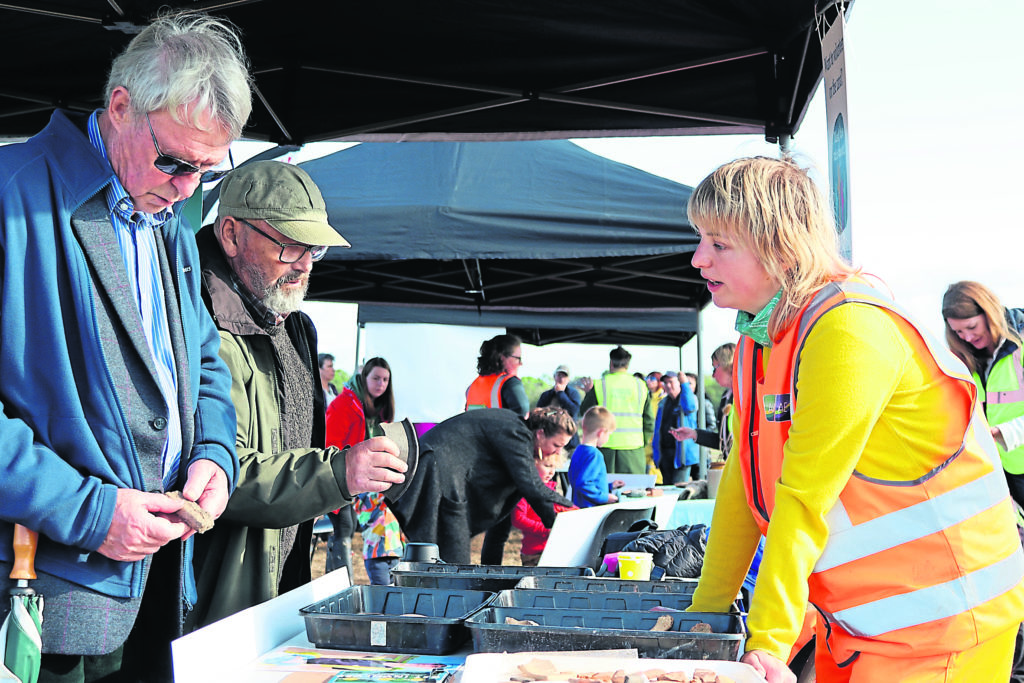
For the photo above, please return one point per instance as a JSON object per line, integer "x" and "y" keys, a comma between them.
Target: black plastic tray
{"x": 594, "y": 583}
{"x": 563, "y": 629}
{"x": 612, "y": 601}
{"x": 485, "y": 577}
{"x": 371, "y": 618}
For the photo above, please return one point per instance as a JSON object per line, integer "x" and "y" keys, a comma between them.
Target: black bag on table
{"x": 680, "y": 552}
{"x": 613, "y": 543}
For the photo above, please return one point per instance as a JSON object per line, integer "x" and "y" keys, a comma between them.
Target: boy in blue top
{"x": 588, "y": 475}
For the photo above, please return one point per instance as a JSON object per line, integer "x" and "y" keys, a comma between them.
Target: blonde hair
{"x": 723, "y": 355}
{"x": 597, "y": 417}
{"x": 773, "y": 207}
{"x": 966, "y": 299}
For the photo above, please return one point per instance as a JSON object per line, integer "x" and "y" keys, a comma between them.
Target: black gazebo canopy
{"x": 459, "y": 69}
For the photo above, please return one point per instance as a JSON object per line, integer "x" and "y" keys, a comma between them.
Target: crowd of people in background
{"x": 585, "y": 461}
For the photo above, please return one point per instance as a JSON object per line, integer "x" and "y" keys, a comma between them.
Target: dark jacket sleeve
{"x": 589, "y": 401}
{"x": 513, "y": 397}
{"x": 707, "y": 438}
{"x": 277, "y": 490}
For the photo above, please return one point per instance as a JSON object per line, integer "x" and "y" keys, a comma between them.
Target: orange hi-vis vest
{"x": 910, "y": 568}
{"x": 485, "y": 391}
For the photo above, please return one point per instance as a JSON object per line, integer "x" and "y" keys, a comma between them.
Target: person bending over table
{"x": 473, "y": 469}
{"x": 863, "y": 457}
{"x": 985, "y": 335}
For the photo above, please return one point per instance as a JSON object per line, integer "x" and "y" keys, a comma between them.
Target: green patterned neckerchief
{"x": 756, "y": 326}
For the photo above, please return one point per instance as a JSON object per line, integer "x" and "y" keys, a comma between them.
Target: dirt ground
{"x": 515, "y": 541}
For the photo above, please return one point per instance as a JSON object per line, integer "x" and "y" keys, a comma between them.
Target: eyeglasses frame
{"x": 284, "y": 245}
{"x": 183, "y": 168}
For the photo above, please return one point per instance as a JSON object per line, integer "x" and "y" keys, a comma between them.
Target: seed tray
{"x": 611, "y": 601}
{"x": 565, "y": 629}
{"x": 594, "y": 583}
{"x": 485, "y": 577}
{"x": 393, "y": 619}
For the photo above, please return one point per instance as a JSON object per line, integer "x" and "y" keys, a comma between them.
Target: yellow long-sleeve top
{"x": 865, "y": 402}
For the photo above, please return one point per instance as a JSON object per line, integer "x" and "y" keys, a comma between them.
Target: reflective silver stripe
{"x": 635, "y": 414}
{"x": 934, "y": 602}
{"x": 496, "y": 390}
{"x": 838, "y": 520}
{"x": 998, "y": 397}
{"x": 984, "y": 438}
{"x": 739, "y": 398}
{"x": 911, "y": 523}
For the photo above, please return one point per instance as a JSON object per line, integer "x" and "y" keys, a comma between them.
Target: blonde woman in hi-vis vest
{"x": 859, "y": 452}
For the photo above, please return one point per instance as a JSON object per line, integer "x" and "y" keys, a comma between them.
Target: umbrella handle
{"x": 25, "y": 541}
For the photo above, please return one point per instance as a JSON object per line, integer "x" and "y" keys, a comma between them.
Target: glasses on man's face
{"x": 290, "y": 253}
{"x": 174, "y": 166}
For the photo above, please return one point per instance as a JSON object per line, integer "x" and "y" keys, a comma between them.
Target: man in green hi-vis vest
{"x": 628, "y": 399}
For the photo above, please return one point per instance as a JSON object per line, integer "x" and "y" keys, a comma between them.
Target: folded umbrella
{"x": 21, "y": 633}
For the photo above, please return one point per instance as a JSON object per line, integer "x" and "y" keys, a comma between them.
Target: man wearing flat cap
{"x": 256, "y": 261}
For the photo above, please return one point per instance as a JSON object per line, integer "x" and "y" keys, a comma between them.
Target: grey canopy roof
{"x": 542, "y": 237}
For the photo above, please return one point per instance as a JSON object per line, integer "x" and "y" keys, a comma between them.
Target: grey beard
{"x": 273, "y": 297}
{"x": 284, "y": 302}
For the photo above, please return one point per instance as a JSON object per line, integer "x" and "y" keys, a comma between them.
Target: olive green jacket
{"x": 237, "y": 562}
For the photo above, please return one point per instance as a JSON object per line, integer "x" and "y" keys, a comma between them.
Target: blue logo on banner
{"x": 776, "y": 408}
{"x": 840, "y": 175}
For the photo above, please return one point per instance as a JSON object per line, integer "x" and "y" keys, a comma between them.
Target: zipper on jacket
{"x": 755, "y": 474}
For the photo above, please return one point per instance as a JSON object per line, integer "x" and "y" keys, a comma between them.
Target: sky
{"x": 936, "y": 95}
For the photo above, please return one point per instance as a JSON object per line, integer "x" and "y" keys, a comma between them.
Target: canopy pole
{"x": 359, "y": 336}
{"x": 785, "y": 142}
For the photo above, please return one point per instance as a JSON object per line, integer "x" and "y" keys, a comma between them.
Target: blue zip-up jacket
{"x": 686, "y": 452}
{"x": 588, "y": 477}
{"x": 65, "y": 445}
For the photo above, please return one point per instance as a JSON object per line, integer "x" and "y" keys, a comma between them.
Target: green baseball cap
{"x": 283, "y": 195}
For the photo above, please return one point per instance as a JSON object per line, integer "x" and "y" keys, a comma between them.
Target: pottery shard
{"x": 196, "y": 517}
{"x": 701, "y": 627}
{"x": 664, "y": 623}
{"x": 538, "y": 669}
{"x": 676, "y": 676}
{"x": 522, "y": 622}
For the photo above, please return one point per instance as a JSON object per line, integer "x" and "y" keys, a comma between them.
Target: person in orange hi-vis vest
{"x": 858, "y": 453}
{"x": 498, "y": 386}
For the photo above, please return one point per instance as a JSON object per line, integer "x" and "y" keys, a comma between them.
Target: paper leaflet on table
{"x": 367, "y": 666}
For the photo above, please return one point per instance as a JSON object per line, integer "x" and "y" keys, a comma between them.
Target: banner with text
{"x": 833, "y": 55}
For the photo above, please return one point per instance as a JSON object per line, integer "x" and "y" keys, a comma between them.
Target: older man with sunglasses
{"x": 257, "y": 258}
{"x": 111, "y": 388}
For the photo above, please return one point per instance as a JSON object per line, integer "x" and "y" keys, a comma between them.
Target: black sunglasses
{"x": 174, "y": 166}
{"x": 290, "y": 253}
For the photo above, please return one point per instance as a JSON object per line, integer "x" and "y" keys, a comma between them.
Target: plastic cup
{"x": 421, "y": 552}
{"x": 636, "y": 566}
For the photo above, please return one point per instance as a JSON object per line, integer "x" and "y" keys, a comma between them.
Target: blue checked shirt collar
{"x": 119, "y": 202}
